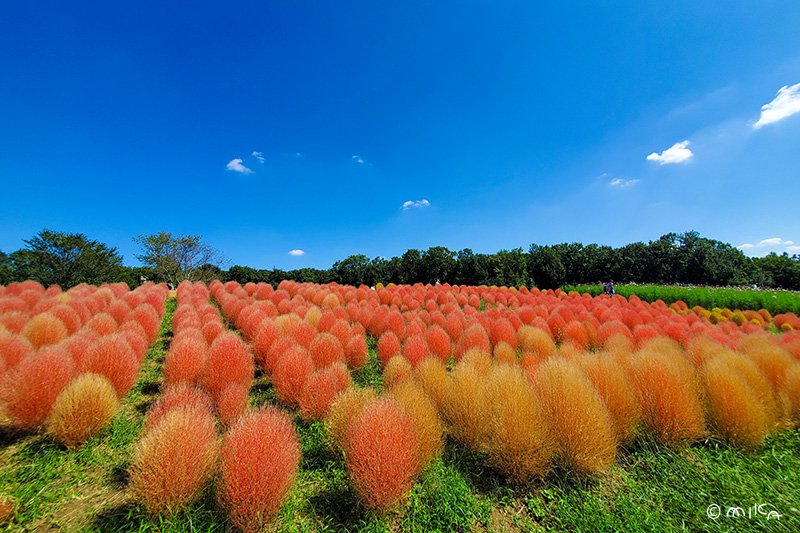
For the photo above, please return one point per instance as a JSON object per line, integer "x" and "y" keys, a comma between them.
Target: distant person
{"x": 608, "y": 288}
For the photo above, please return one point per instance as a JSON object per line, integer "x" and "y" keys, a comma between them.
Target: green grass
{"x": 775, "y": 302}
{"x": 650, "y": 488}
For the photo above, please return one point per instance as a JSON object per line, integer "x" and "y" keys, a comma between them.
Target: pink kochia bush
{"x": 259, "y": 461}
{"x": 381, "y": 454}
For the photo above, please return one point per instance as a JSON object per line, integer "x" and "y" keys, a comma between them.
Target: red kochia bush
{"x": 267, "y": 334}
{"x": 28, "y": 392}
{"x": 356, "y": 352}
{"x": 103, "y": 324}
{"x": 148, "y": 317}
{"x": 415, "y": 349}
{"x": 13, "y": 349}
{"x": 438, "y": 342}
{"x": 290, "y": 374}
{"x": 319, "y": 391}
{"x": 259, "y": 461}
{"x": 113, "y": 357}
{"x": 67, "y": 315}
{"x": 325, "y": 350}
{"x": 232, "y": 403}
{"x": 381, "y": 454}
{"x": 228, "y": 361}
{"x": 185, "y": 360}
{"x": 180, "y": 395}
{"x": 473, "y": 337}
{"x": 388, "y": 346}
{"x": 210, "y": 330}
{"x": 174, "y": 461}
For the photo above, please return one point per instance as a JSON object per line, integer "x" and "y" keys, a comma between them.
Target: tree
{"x": 351, "y": 271}
{"x": 180, "y": 257}
{"x": 410, "y": 266}
{"x": 7, "y": 274}
{"x": 780, "y": 270}
{"x": 66, "y": 259}
{"x": 469, "y": 269}
{"x": 545, "y": 267}
{"x": 437, "y": 264}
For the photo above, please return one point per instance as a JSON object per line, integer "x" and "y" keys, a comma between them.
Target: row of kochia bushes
{"x": 533, "y": 379}
{"x": 774, "y": 301}
{"x": 66, "y": 358}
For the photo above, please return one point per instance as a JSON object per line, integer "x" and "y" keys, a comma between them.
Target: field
{"x": 476, "y": 409}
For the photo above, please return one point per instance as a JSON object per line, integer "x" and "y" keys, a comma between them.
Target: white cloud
{"x": 296, "y": 252}
{"x": 786, "y": 103}
{"x": 358, "y": 159}
{"x": 411, "y": 203}
{"x": 619, "y": 182}
{"x": 258, "y": 155}
{"x": 237, "y": 166}
{"x": 677, "y": 153}
{"x": 767, "y": 246}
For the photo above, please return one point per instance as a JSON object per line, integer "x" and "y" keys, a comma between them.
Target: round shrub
{"x": 83, "y": 408}
{"x": 258, "y": 465}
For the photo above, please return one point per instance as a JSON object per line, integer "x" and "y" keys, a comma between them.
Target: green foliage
{"x": 775, "y": 302}
{"x": 780, "y": 270}
{"x": 64, "y": 259}
{"x": 545, "y": 267}
{"x": 351, "y": 271}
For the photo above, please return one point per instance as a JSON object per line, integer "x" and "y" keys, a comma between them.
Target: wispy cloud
{"x": 360, "y": 160}
{"x": 621, "y": 183}
{"x": 296, "y": 252}
{"x": 259, "y": 156}
{"x": 774, "y": 244}
{"x": 237, "y": 166}
{"x": 677, "y": 153}
{"x": 785, "y": 104}
{"x": 411, "y": 203}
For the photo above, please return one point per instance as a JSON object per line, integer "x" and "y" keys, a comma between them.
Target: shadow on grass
{"x": 121, "y": 517}
{"x": 148, "y": 388}
{"x": 10, "y": 435}
{"x": 337, "y": 506}
{"x": 118, "y": 476}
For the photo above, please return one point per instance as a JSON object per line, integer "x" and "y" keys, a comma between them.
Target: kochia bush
{"x": 28, "y": 392}
{"x": 44, "y": 329}
{"x": 290, "y": 374}
{"x": 345, "y": 406}
{"x": 518, "y": 442}
{"x": 381, "y": 454}
{"x": 83, "y": 408}
{"x": 228, "y": 361}
{"x": 113, "y": 357}
{"x": 668, "y": 392}
{"x": 428, "y": 427}
{"x": 258, "y": 465}
{"x": 174, "y": 460}
{"x": 734, "y": 409}
{"x": 577, "y": 416}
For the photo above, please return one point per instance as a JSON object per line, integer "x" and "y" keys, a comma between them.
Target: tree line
{"x": 687, "y": 258}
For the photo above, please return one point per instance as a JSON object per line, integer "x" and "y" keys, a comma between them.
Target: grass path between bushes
{"x": 649, "y": 488}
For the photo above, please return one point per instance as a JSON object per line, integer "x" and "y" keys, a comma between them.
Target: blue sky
{"x": 334, "y": 128}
